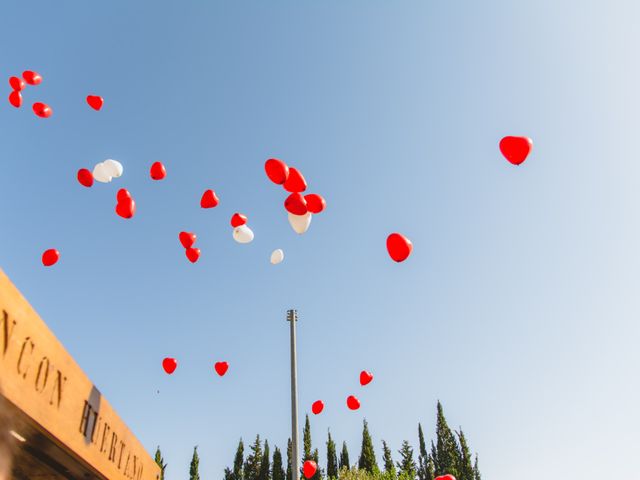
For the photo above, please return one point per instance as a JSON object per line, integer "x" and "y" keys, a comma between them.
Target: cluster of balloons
{"x": 352, "y": 401}
{"x": 188, "y": 239}
{"x": 241, "y": 231}
{"x": 18, "y": 84}
{"x": 299, "y": 207}
{"x": 170, "y": 364}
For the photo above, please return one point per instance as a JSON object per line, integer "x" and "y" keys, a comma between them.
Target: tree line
{"x": 449, "y": 454}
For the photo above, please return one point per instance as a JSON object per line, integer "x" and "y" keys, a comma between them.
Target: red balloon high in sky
{"x": 295, "y": 181}
{"x": 209, "y": 199}
{"x": 169, "y": 365}
{"x": 317, "y": 407}
{"x": 399, "y": 247}
{"x": 193, "y": 254}
{"x": 85, "y": 177}
{"x": 158, "y": 172}
{"x": 238, "y": 220}
{"x": 15, "y": 99}
{"x": 353, "y": 403}
{"x": 50, "y": 257}
{"x": 221, "y": 368}
{"x": 126, "y": 206}
{"x": 296, "y": 204}
{"x": 187, "y": 239}
{"x": 42, "y": 110}
{"x": 32, "y": 78}
{"x": 365, "y": 377}
{"x": 95, "y": 102}
{"x": 516, "y": 149}
{"x": 277, "y": 170}
{"x": 17, "y": 84}
{"x": 315, "y": 202}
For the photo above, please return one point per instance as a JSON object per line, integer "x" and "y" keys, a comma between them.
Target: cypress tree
{"x": 316, "y": 458}
{"x": 389, "y": 467}
{"x": 289, "y": 457}
{"x": 344, "y": 458}
{"x": 238, "y": 462}
{"x": 228, "y": 474}
{"x": 476, "y": 470}
{"x": 406, "y": 467}
{"x": 332, "y": 459}
{"x": 265, "y": 466}
{"x": 465, "y": 469}
{"x": 277, "y": 470}
{"x": 160, "y": 462}
{"x": 254, "y": 461}
{"x": 306, "y": 440}
{"x": 194, "y": 474}
{"x": 422, "y": 455}
{"x": 367, "y": 459}
{"x": 446, "y": 459}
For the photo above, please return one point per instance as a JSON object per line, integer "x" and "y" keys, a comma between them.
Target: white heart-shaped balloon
{"x": 277, "y": 256}
{"x": 242, "y": 234}
{"x": 113, "y": 168}
{"x": 101, "y": 173}
{"x": 300, "y": 223}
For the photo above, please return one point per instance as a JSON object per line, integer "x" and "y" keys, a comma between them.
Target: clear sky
{"x": 518, "y": 308}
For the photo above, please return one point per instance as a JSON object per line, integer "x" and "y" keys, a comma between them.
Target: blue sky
{"x": 518, "y": 308}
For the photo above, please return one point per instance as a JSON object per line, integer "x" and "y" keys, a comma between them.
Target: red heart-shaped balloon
{"x": 277, "y": 170}
{"x": 15, "y": 99}
{"x": 209, "y": 199}
{"x": 295, "y": 181}
{"x": 123, "y": 195}
{"x": 238, "y": 219}
{"x": 193, "y": 254}
{"x": 32, "y": 78}
{"x": 126, "y": 206}
{"x": 516, "y": 149}
{"x": 221, "y": 368}
{"x": 17, "y": 84}
{"x": 445, "y": 477}
{"x": 42, "y": 110}
{"x": 187, "y": 239}
{"x": 309, "y": 469}
{"x": 50, "y": 257}
{"x": 315, "y": 203}
{"x": 317, "y": 407}
{"x": 95, "y": 101}
{"x": 85, "y": 177}
{"x": 158, "y": 172}
{"x": 296, "y": 204}
{"x": 399, "y": 247}
{"x": 169, "y": 365}
{"x": 365, "y": 377}
{"x": 353, "y": 403}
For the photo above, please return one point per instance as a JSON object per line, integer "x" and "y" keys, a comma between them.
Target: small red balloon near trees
{"x": 17, "y": 84}
{"x": 238, "y": 220}
{"x": 448, "y": 476}
{"x": 85, "y": 177}
{"x": 365, "y": 377}
{"x": 158, "y": 172}
{"x": 126, "y": 206}
{"x": 315, "y": 203}
{"x": 15, "y": 99}
{"x": 32, "y": 78}
{"x": 317, "y": 407}
{"x": 50, "y": 257}
{"x": 295, "y": 181}
{"x": 95, "y": 102}
{"x": 193, "y": 254}
{"x": 353, "y": 403}
{"x": 277, "y": 170}
{"x": 187, "y": 239}
{"x": 399, "y": 247}
{"x": 296, "y": 204}
{"x": 42, "y": 110}
{"x": 209, "y": 199}
{"x": 516, "y": 149}
{"x": 169, "y": 365}
{"x": 309, "y": 468}
{"x": 221, "y": 368}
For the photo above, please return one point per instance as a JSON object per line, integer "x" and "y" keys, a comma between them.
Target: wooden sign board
{"x": 39, "y": 377}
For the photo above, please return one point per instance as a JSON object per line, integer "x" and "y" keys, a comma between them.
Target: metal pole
{"x": 292, "y": 317}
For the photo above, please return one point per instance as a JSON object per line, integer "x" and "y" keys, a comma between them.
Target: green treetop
{"x": 406, "y": 466}
{"x": 194, "y": 474}
{"x": 332, "y": 459}
{"x": 254, "y": 461}
{"x": 277, "y": 470}
{"x": 160, "y": 462}
{"x": 389, "y": 467}
{"x": 344, "y": 457}
{"x": 367, "y": 460}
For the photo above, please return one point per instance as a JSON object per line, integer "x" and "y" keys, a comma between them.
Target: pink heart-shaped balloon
{"x": 221, "y": 368}
{"x": 95, "y": 102}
